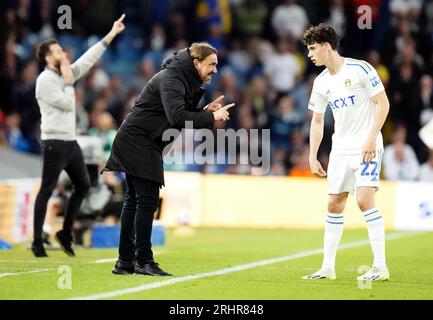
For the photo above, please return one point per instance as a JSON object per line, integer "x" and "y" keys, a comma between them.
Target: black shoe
{"x": 38, "y": 249}
{"x": 123, "y": 268}
{"x": 150, "y": 269}
{"x": 46, "y": 238}
{"x": 65, "y": 241}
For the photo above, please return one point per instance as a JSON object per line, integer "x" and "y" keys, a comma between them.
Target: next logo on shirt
{"x": 341, "y": 103}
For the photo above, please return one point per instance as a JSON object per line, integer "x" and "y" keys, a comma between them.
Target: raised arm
{"x": 91, "y": 56}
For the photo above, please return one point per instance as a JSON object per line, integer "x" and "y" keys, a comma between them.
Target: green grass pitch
{"x": 409, "y": 257}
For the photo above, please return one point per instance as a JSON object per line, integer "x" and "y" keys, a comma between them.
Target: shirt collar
{"x": 53, "y": 70}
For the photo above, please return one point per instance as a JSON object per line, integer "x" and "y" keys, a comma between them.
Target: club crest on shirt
{"x": 348, "y": 83}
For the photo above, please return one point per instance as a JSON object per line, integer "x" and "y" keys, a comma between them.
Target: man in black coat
{"x": 168, "y": 100}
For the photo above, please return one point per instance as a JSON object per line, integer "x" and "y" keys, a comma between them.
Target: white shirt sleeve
{"x": 87, "y": 60}
{"x": 372, "y": 80}
{"x": 318, "y": 102}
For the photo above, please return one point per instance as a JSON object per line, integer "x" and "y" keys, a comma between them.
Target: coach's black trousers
{"x": 140, "y": 203}
{"x": 60, "y": 155}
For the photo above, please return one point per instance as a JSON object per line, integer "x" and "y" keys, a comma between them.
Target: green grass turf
{"x": 409, "y": 260}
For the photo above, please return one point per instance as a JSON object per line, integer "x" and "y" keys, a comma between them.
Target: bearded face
{"x": 207, "y": 67}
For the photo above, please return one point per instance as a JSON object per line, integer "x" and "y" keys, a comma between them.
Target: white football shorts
{"x": 348, "y": 172}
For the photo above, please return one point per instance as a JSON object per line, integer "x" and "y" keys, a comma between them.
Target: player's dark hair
{"x": 43, "y": 50}
{"x": 201, "y": 50}
{"x": 320, "y": 34}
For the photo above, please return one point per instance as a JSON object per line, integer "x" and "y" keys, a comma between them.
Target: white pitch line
{"x": 251, "y": 265}
{"x": 8, "y": 274}
{"x": 20, "y": 261}
{"x": 107, "y": 260}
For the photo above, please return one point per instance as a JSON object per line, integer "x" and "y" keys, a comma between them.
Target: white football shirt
{"x": 349, "y": 94}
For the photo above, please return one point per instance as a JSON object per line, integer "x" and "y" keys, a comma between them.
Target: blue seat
{"x": 108, "y": 236}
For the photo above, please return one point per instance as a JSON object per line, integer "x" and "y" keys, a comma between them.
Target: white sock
{"x": 333, "y": 231}
{"x": 376, "y": 235}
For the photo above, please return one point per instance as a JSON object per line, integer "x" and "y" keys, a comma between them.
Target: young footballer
{"x": 357, "y": 98}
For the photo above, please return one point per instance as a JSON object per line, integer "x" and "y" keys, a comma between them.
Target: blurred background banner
{"x": 414, "y": 206}
{"x": 197, "y": 200}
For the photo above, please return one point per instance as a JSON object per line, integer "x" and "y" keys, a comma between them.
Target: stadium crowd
{"x": 262, "y": 68}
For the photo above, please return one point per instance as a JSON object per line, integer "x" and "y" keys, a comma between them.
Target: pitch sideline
{"x": 299, "y": 255}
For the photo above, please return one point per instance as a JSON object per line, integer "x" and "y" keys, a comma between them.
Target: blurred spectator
{"x": 399, "y": 160}
{"x": 146, "y": 70}
{"x": 104, "y": 129}
{"x": 301, "y": 96}
{"x": 157, "y": 38}
{"x": 228, "y": 87}
{"x": 284, "y": 121}
{"x": 282, "y": 68}
{"x": 302, "y": 165}
{"x": 239, "y": 59}
{"x": 289, "y": 19}
{"x": 373, "y": 58}
{"x": 98, "y": 107}
{"x": 403, "y": 91}
{"x": 115, "y": 93}
{"x": 420, "y": 113}
{"x": 278, "y": 167}
{"x": 426, "y": 171}
{"x": 337, "y": 17}
{"x": 407, "y": 55}
{"x": 101, "y": 79}
{"x": 256, "y": 98}
{"x": 401, "y": 9}
{"x": 215, "y": 38}
{"x": 425, "y": 100}
{"x": 249, "y": 18}
{"x": 13, "y": 135}
{"x": 24, "y": 100}
{"x": 298, "y": 146}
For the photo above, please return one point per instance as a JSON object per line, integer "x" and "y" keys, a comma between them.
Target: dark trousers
{"x": 60, "y": 155}
{"x": 140, "y": 203}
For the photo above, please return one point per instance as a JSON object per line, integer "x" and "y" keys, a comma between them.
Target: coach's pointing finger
{"x": 223, "y": 114}
{"x": 231, "y": 105}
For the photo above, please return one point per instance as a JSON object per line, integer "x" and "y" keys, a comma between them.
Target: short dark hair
{"x": 43, "y": 50}
{"x": 201, "y": 50}
{"x": 320, "y": 34}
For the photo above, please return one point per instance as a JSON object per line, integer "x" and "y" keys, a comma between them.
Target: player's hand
{"x": 118, "y": 26}
{"x": 316, "y": 168}
{"x": 214, "y": 105}
{"x": 222, "y": 114}
{"x": 369, "y": 150}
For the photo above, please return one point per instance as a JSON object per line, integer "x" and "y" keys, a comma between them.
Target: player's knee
{"x": 335, "y": 205}
{"x": 364, "y": 203}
